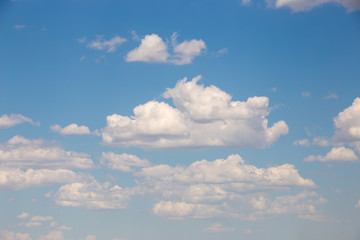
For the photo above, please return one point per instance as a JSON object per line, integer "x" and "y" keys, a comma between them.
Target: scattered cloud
{"x": 33, "y": 224}
{"x": 23, "y": 215}
{"x": 15, "y": 178}
{"x": 135, "y": 37}
{"x": 218, "y": 227}
{"x": 337, "y": 154}
{"x": 123, "y": 162}
{"x": 221, "y": 52}
{"x": 306, "y": 5}
{"x": 331, "y": 96}
{"x": 8, "y": 235}
{"x": 41, "y": 218}
{"x": 357, "y": 205}
{"x": 305, "y": 94}
{"x": 53, "y": 235}
{"x": 153, "y": 49}
{"x": 248, "y": 231}
{"x": 202, "y": 117}
{"x": 72, "y": 129}
{"x": 110, "y": 45}
{"x": 91, "y": 237}
{"x": 25, "y": 153}
{"x": 11, "y": 120}
{"x": 82, "y": 58}
{"x": 92, "y": 195}
{"x": 302, "y": 142}
{"x": 19, "y": 26}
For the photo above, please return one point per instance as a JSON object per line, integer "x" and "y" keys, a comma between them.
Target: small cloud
{"x": 23, "y": 215}
{"x": 221, "y": 52}
{"x": 82, "y": 58}
{"x": 44, "y": 29}
{"x": 331, "y": 96}
{"x": 72, "y": 129}
{"x": 340, "y": 154}
{"x": 218, "y": 227}
{"x": 110, "y": 45}
{"x": 82, "y": 40}
{"x": 91, "y": 237}
{"x": 357, "y": 205}
{"x": 302, "y": 142}
{"x": 19, "y": 26}
{"x": 245, "y": 2}
{"x": 305, "y": 94}
{"x": 248, "y": 231}
{"x": 11, "y": 120}
{"x": 336, "y": 190}
{"x": 33, "y": 224}
{"x": 41, "y": 218}
{"x": 273, "y": 89}
{"x": 135, "y": 37}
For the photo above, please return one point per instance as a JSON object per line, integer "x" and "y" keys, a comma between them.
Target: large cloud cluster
{"x": 202, "y": 117}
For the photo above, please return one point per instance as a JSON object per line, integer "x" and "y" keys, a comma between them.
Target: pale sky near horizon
{"x": 194, "y": 119}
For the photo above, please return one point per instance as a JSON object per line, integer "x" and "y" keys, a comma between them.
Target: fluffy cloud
{"x": 15, "y": 179}
{"x": 26, "y": 153}
{"x": 203, "y": 117}
{"x": 72, "y": 129}
{"x": 154, "y": 49}
{"x": 92, "y": 195}
{"x": 339, "y": 154}
{"x": 347, "y": 125}
{"x": 305, "y": 5}
{"x": 108, "y": 45}
{"x": 221, "y": 187}
{"x": 11, "y": 120}
{"x": 123, "y": 162}
{"x": 151, "y": 49}
{"x": 7, "y": 235}
{"x": 218, "y": 227}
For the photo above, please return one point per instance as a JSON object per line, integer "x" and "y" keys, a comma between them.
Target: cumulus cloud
{"x": 153, "y": 49}
{"x": 110, "y": 45}
{"x": 207, "y": 189}
{"x": 92, "y": 195}
{"x": 123, "y": 162}
{"x": 15, "y": 179}
{"x": 336, "y": 154}
{"x": 202, "y": 117}
{"x": 72, "y": 129}
{"x": 305, "y": 5}
{"x": 218, "y": 227}
{"x": 11, "y": 120}
{"x": 26, "y": 153}
{"x": 8, "y": 235}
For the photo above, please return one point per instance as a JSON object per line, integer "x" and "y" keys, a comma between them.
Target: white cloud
{"x": 203, "y": 117}
{"x": 218, "y": 227}
{"x": 18, "y": 26}
{"x": 72, "y": 129}
{"x": 320, "y": 141}
{"x": 305, "y": 5}
{"x": 357, "y": 205}
{"x": 153, "y": 49}
{"x": 41, "y": 218}
{"x": 123, "y": 162}
{"x": 302, "y": 142}
{"x": 331, "y": 96}
{"x": 7, "y": 235}
{"x": 222, "y": 187}
{"x": 90, "y": 237}
{"x": 36, "y": 153}
{"x": 23, "y": 215}
{"x": 306, "y": 94}
{"x": 53, "y": 235}
{"x": 186, "y": 51}
{"x": 15, "y": 179}
{"x": 92, "y": 195}
{"x": 336, "y": 154}
{"x": 11, "y": 120}
{"x": 347, "y": 125}
{"x": 108, "y": 45}
{"x": 33, "y": 224}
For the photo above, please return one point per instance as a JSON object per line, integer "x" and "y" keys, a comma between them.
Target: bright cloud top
{"x": 340, "y": 154}
{"x": 72, "y": 129}
{"x": 202, "y": 117}
{"x": 110, "y": 45}
{"x": 305, "y": 5}
{"x": 26, "y": 153}
{"x": 153, "y": 49}
{"x": 11, "y": 120}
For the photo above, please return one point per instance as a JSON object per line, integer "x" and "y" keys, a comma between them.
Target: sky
{"x": 193, "y": 119}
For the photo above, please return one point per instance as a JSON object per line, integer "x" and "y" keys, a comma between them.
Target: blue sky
{"x": 179, "y": 119}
